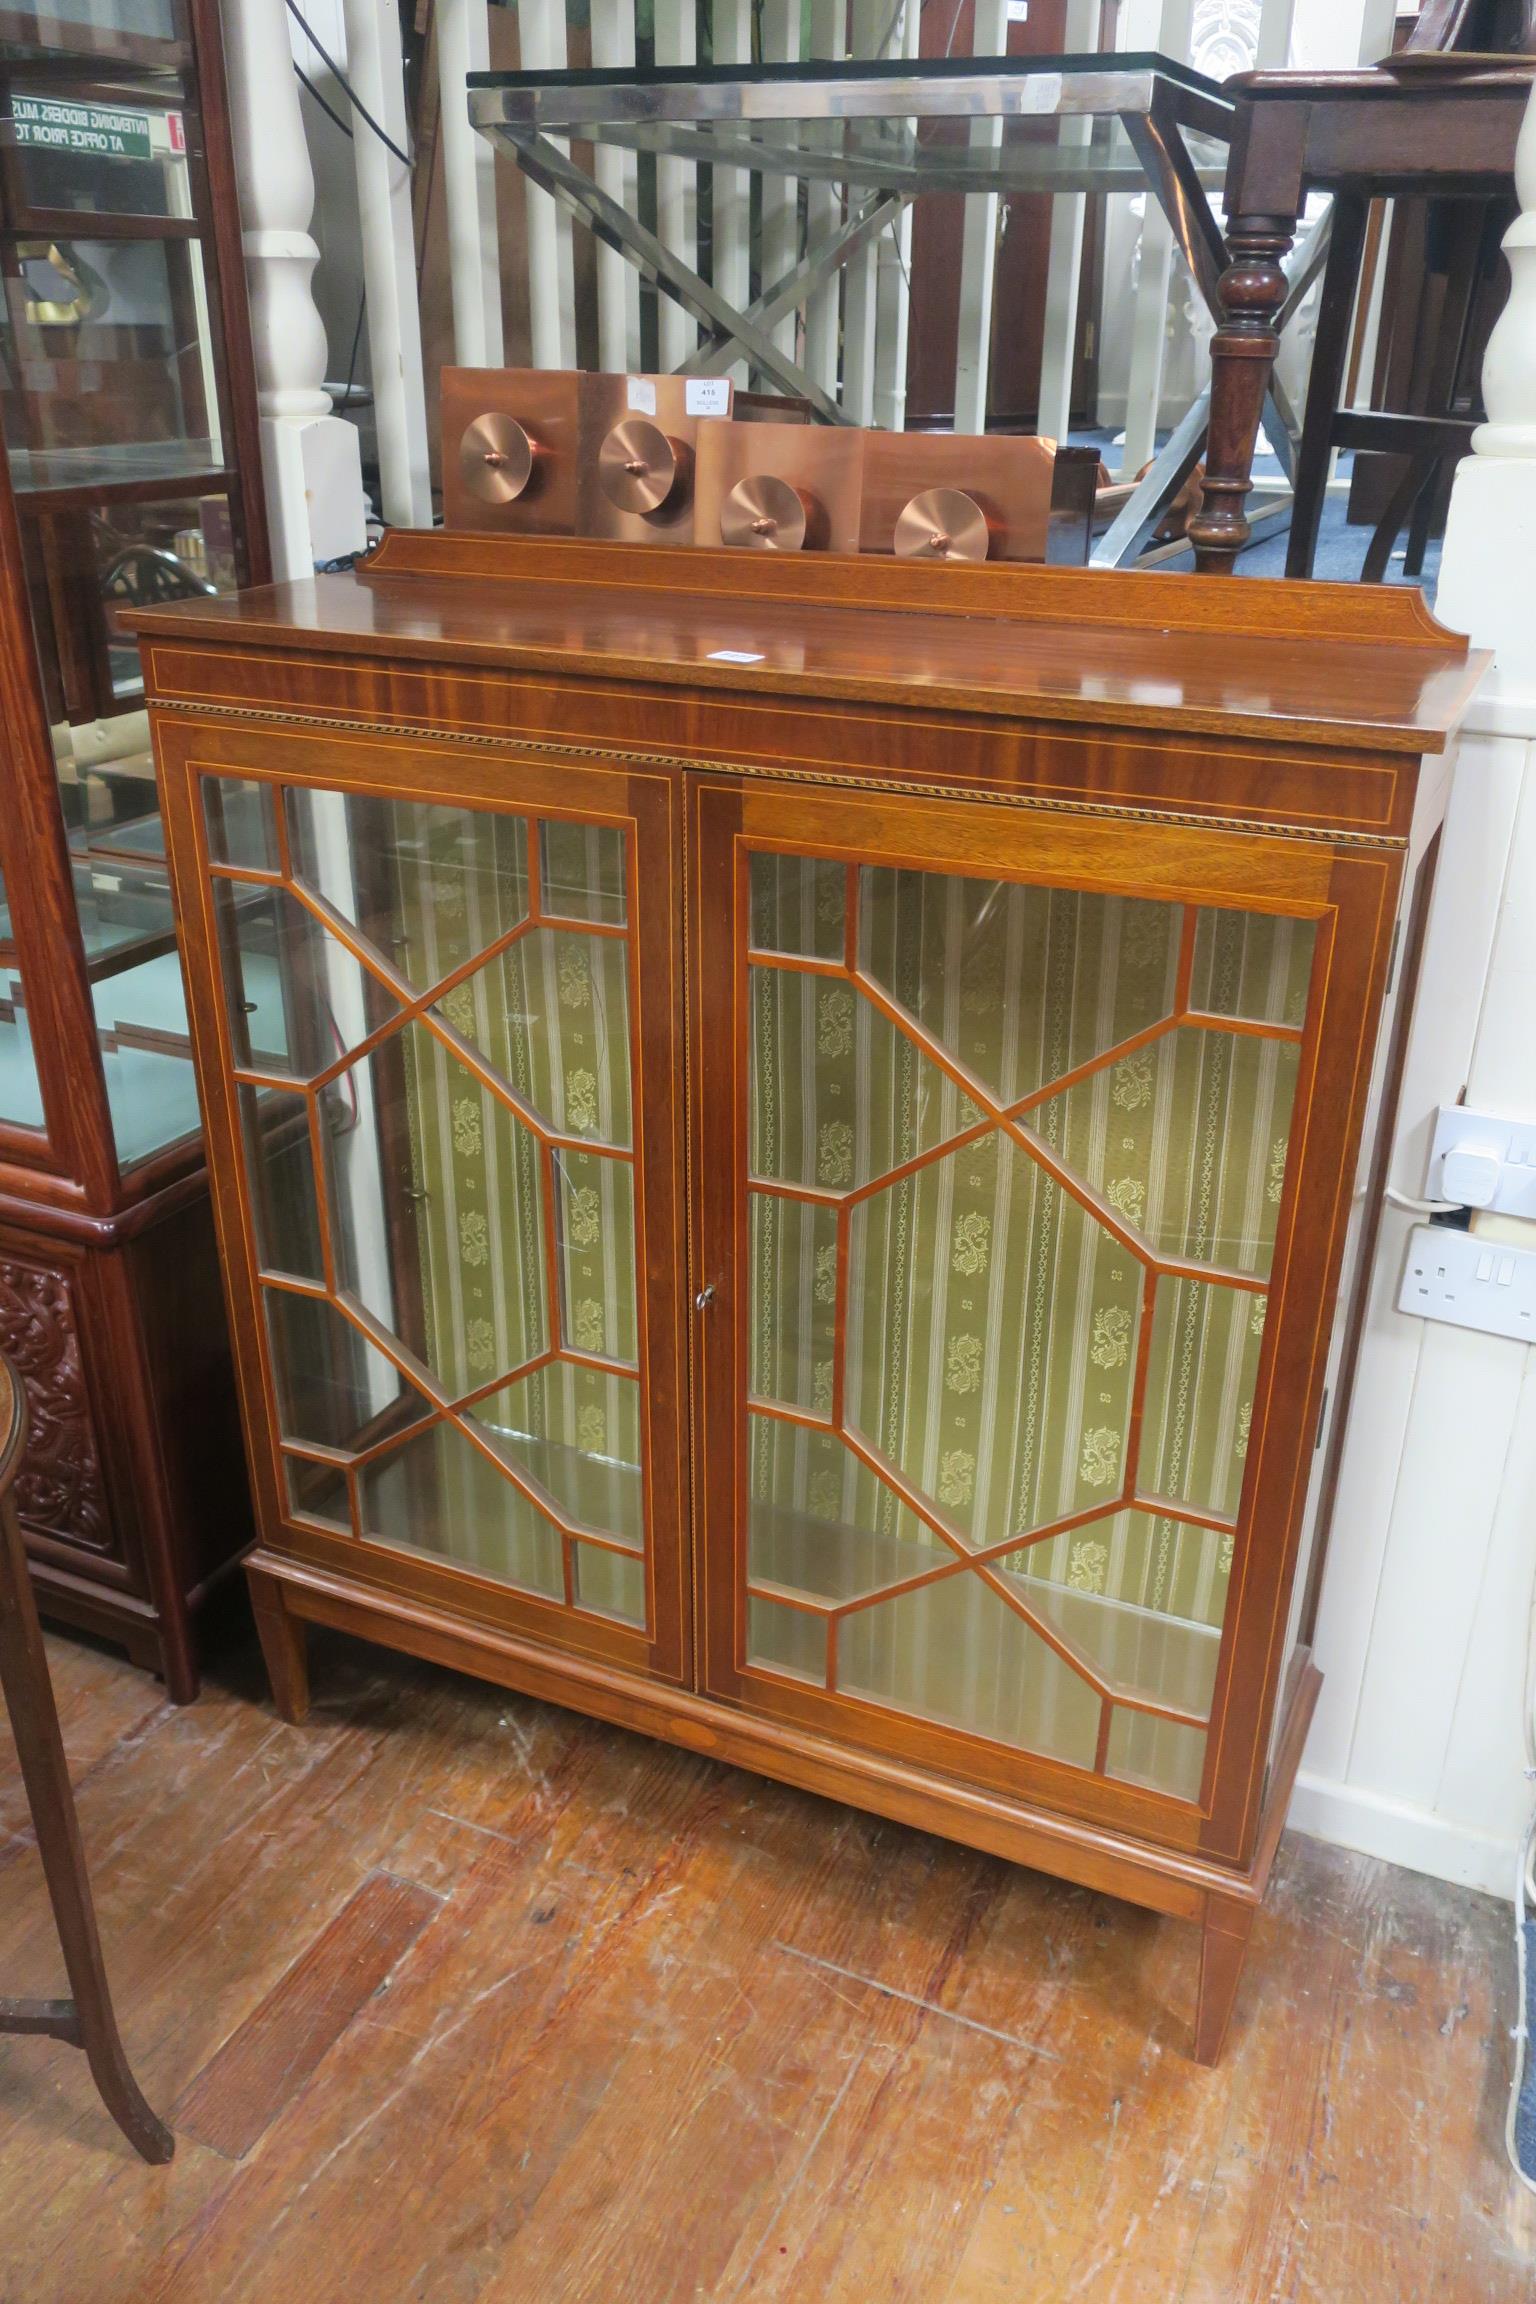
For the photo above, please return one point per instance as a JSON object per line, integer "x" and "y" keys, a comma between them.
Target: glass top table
{"x": 875, "y": 123}
{"x": 887, "y": 132}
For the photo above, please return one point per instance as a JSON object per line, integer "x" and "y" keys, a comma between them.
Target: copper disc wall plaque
{"x": 768, "y": 515}
{"x": 496, "y": 458}
{"x": 639, "y": 466}
{"x": 943, "y": 524}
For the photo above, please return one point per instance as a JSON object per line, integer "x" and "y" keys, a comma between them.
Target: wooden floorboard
{"x": 458, "y": 1997}
{"x": 239, "y": 2093}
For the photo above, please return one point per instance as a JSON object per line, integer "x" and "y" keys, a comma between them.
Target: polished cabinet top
{"x": 1345, "y": 666}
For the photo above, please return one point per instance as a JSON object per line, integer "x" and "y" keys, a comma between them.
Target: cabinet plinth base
{"x": 287, "y": 1594}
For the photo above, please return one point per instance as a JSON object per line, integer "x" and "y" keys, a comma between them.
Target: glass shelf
{"x": 21, "y": 1099}
{"x": 133, "y": 30}
{"x": 97, "y": 469}
{"x": 115, "y": 397}
{"x": 107, "y": 348}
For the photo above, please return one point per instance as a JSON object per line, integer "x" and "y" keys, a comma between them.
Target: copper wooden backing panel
{"x": 605, "y": 404}
{"x": 1199, "y": 776}
{"x": 547, "y": 407}
{"x": 409, "y": 769}
{"x": 1352, "y": 903}
{"x": 1009, "y": 478}
{"x": 1350, "y": 692}
{"x": 823, "y": 462}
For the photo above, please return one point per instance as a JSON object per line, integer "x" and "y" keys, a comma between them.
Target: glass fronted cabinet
{"x": 786, "y": 1146}
{"x": 128, "y": 415}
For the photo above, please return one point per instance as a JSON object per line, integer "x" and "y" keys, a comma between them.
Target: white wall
{"x": 1416, "y": 1753}
{"x": 1418, "y": 1748}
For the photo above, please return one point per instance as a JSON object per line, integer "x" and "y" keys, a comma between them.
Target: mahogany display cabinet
{"x": 128, "y": 406}
{"x": 785, "y": 1135}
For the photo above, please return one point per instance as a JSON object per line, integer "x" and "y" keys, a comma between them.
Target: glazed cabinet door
{"x": 437, "y": 1024}
{"x": 1024, "y": 1146}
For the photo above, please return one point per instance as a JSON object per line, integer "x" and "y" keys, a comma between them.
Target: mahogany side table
{"x": 86, "y": 2020}
{"x": 1448, "y": 130}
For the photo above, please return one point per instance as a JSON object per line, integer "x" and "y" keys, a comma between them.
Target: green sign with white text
{"x": 106, "y": 131}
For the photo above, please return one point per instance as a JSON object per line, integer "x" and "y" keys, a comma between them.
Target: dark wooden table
{"x": 86, "y": 2020}
{"x": 1439, "y": 127}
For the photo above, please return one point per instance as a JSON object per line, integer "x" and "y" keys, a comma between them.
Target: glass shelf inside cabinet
{"x": 114, "y": 430}
{"x": 107, "y": 352}
{"x": 87, "y": 27}
{"x": 1017, "y": 1160}
{"x": 128, "y": 926}
{"x": 21, "y": 1101}
{"x": 99, "y": 469}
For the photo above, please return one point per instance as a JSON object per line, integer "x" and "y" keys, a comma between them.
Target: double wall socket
{"x": 1471, "y": 1282}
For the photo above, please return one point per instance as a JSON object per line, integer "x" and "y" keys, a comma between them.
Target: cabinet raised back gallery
{"x": 786, "y": 1135}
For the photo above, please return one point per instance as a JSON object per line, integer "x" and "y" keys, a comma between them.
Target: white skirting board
{"x": 1400, "y": 1834}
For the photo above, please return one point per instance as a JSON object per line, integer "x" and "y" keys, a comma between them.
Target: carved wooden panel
{"x": 60, "y": 1491}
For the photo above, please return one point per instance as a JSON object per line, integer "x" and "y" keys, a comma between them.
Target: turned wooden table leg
{"x": 1253, "y": 288}
{"x": 283, "y": 1648}
{"x": 1223, "y": 1950}
{"x": 88, "y": 2021}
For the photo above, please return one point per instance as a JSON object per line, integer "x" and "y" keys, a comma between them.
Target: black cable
{"x": 345, "y": 85}
{"x": 357, "y": 337}
{"x": 328, "y": 109}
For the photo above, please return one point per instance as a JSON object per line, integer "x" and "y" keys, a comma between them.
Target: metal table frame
{"x": 689, "y": 115}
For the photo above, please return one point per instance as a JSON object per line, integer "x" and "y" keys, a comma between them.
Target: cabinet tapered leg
{"x": 88, "y": 2020}
{"x": 283, "y": 1645}
{"x": 1223, "y": 1952}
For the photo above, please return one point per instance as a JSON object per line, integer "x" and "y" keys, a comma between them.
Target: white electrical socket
{"x": 1470, "y": 1282}
{"x": 1479, "y": 1161}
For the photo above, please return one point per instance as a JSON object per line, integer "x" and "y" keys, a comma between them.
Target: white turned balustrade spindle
{"x": 1489, "y": 564}
{"x": 310, "y": 458}
{"x": 1509, "y": 364}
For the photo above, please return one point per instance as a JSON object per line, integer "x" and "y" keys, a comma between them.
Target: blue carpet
{"x": 1341, "y": 549}
{"x": 1525, "y": 2109}
{"x": 1341, "y": 552}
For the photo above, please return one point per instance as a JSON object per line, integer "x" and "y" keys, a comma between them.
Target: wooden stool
{"x": 1435, "y": 432}
{"x": 86, "y": 2020}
